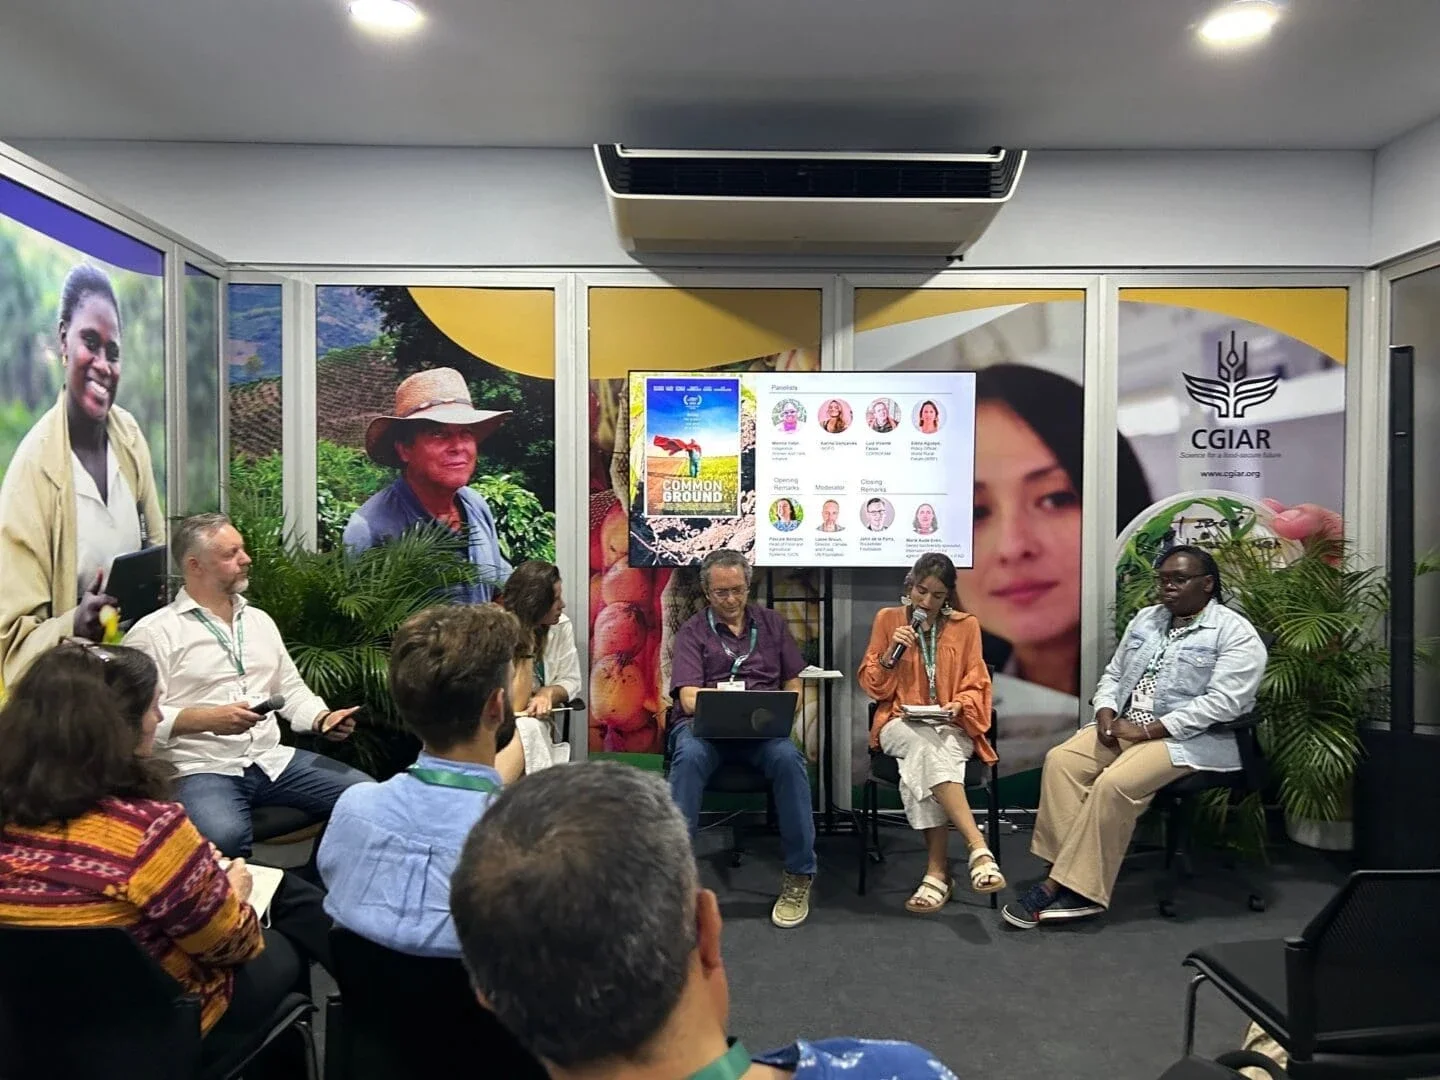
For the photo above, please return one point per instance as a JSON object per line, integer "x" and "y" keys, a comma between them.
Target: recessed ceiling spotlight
{"x": 388, "y": 15}
{"x": 1243, "y": 22}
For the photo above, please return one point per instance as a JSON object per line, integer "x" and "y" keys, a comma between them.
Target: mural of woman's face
{"x": 1025, "y": 584}
{"x": 90, "y": 348}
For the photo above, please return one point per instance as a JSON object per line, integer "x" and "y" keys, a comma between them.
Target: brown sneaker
{"x": 793, "y": 907}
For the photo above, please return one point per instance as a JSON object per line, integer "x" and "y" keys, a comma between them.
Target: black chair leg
{"x": 1190, "y": 993}
{"x": 336, "y": 1065}
{"x": 872, "y": 793}
{"x": 992, "y": 824}
{"x": 1178, "y": 827}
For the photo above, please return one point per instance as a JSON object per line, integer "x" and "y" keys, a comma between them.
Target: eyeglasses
{"x": 1178, "y": 580}
{"x": 727, "y": 594}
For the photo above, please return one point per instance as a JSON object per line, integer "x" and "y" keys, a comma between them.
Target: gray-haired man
{"x": 629, "y": 983}
{"x": 737, "y": 645}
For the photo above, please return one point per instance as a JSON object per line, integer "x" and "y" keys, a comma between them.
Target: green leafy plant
{"x": 337, "y": 613}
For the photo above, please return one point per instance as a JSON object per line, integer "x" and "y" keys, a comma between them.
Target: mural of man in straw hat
{"x": 433, "y": 438}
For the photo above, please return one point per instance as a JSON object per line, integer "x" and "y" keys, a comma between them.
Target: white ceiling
{"x": 909, "y": 74}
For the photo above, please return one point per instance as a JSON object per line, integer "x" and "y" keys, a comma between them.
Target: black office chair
{"x": 885, "y": 771}
{"x": 731, "y": 778}
{"x": 564, "y": 711}
{"x": 398, "y": 1017}
{"x": 1225, "y": 1067}
{"x": 90, "y": 1004}
{"x": 1355, "y": 993}
{"x": 1179, "y": 801}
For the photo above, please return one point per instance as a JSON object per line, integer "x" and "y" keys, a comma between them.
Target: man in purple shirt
{"x": 732, "y": 642}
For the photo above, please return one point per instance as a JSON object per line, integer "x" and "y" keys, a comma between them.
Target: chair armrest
{"x": 1243, "y": 1059}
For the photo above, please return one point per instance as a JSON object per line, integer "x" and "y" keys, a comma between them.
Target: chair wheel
{"x": 1256, "y": 903}
{"x": 1166, "y": 908}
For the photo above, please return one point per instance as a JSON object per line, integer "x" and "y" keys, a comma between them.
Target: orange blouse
{"x": 960, "y": 675}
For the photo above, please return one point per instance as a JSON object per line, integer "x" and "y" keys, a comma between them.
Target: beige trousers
{"x": 1090, "y": 798}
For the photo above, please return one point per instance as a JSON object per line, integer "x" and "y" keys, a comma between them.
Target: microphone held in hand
{"x": 917, "y": 617}
{"x": 269, "y": 705}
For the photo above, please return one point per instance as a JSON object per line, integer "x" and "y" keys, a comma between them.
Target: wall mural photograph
{"x": 82, "y": 380}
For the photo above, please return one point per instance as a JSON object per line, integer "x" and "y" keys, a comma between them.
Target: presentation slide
{"x": 864, "y": 469}
{"x": 839, "y": 469}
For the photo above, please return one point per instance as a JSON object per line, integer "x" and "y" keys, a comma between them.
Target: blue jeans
{"x": 220, "y": 805}
{"x": 693, "y": 761}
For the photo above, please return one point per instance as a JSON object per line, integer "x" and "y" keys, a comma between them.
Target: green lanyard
{"x": 1155, "y": 661}
{"x": 445, "y": 778}
{"x": 737, "y": 660}
{"x": 236, "y": 653}
{"x": 927, "y": 653}
{"x": 539, "y": 672}
{"x": 735, "y": 1064}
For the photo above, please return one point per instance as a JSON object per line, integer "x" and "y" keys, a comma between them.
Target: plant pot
{"x": 1324, "y": 835}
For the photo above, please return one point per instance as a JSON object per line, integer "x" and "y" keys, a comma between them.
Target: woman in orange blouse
{"x": 941, "y": 666}
{"x": 89, "y": 837}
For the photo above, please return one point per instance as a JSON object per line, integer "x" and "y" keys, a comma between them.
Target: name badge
{"x": 731, "y": 684}
{"x": 1143, "y": 699}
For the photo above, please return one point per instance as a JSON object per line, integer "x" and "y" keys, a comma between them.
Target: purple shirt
{"x": 700, "y": 658}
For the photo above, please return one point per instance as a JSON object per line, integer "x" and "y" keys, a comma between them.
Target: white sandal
{"x": 930, "y": 895}
{"x": 985, "y": 878}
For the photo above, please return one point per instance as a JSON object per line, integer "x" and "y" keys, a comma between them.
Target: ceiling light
{"x": 390, "y": 15}
{"x": 1240, "y": 23}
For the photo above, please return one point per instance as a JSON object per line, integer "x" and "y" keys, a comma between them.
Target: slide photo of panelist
{"x": 788, "y": 415}
{"x": 786, "y": 515}
{"x": 882, "y": 415}
{"x": 925, "y": 523}
{"x": 835, "y": 416}
{"x": 80, "y": 489}
{"x": 877, "y": 515}
{"x": 927, "y": 418}
{"x": 830, "y": 517}
{"x": 433, "y": 437}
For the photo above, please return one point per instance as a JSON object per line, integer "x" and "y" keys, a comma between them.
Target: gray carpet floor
{"x": 1101, "y": 999}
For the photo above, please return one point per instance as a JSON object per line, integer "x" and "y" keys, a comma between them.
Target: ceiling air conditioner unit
{"x": 748, "y": 201}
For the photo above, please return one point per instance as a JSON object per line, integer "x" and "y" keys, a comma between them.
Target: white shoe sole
{"x": 1071, "y": 913}
{"x": 1016, "y": 921}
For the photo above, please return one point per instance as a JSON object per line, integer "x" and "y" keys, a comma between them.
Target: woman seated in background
{"x": 941, "y": 666}
{"x": 1182, "y": 666}
{"x": 544, "y": 680}
{"x": 89, "y": 837}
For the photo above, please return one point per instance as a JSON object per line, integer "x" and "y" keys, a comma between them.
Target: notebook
{"x": 927, "y": 714}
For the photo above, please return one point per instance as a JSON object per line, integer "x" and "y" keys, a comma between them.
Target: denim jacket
{"x": 1209, "y": 676}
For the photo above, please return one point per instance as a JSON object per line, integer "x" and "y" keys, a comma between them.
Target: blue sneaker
{"x": 1024, "y": 913}
{"x": 1069, "y": 904}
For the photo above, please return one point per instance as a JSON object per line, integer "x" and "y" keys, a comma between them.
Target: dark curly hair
{"x": 69, "y": 733}
{"x": 528, "y": 594}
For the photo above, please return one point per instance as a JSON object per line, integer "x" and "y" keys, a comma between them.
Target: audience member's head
{"x": 450, "y": 672}
{"x": 211, "y": 555}
{"x": 534, "y": 595}
{"x": 582, "y": 921}
{"x": 77, "y": 728}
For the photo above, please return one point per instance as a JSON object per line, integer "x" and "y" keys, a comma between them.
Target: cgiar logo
{"x": 1232, "y": 393}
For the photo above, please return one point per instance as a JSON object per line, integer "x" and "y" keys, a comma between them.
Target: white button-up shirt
{"x": 103, "y": 529}
{"x": 199, "y": 668}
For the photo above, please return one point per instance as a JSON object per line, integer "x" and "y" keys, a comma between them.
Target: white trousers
{"x": 535, "y": 740}
{"x": 928, "y": 755}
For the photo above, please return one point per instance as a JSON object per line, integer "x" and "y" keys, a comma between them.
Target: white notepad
{"x": 265, "y": 881}
{"x": 927, "y": 714}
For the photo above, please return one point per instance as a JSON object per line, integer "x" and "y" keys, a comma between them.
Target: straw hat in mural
{"x": 439, "y": 395}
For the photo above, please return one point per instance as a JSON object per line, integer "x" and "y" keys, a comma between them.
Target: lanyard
{"x": 736, "y": 660}
{"x": 445, "y": 778}
{"x": 236, "y": 653}
{"x": 1155, "y": 661}
{"x": 927, "y": 652}
{"x": 735, "y": 1064}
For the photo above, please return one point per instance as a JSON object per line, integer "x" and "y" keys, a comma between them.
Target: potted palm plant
{"x": 1327, "y": 675}
{"x": 337, "y": 613}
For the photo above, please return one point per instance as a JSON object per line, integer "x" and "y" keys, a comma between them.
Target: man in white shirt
{"x": 218, "y": 656}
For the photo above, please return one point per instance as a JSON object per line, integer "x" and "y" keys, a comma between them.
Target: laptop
{"x": 744, "y": 714}
{"x": 137, "y": 582}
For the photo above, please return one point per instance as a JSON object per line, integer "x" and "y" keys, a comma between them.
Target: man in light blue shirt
{"x": 390, "y": 848}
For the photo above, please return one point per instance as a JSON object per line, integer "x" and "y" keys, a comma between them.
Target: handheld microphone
{"x": 916, "y": 618}
{"x": 270, "y": 704}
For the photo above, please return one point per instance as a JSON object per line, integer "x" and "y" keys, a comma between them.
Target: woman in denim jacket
{"x": 1182, "y": 666}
